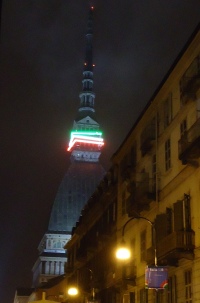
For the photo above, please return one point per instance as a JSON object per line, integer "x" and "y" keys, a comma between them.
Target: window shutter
{"x": 178, "y": 216}
{"x": 182, "y": 216}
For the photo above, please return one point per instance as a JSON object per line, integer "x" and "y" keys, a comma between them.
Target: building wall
{"x": 172, "y": 183}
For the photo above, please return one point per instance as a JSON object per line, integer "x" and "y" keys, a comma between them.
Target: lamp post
{"x": 156, "y": 277}
{"x": 123, "y": 252}
{"x": 74, "y": 290}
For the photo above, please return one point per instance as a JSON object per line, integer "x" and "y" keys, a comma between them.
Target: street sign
{"x": 156, "y": 277}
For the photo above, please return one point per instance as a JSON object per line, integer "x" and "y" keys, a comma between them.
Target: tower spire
{"x": 87, "y": 95}
{"x": 89, "y": 36}
{"x": 86, "y": 138}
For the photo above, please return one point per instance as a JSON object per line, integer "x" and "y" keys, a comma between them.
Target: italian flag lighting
{"x": 88, "y": 137}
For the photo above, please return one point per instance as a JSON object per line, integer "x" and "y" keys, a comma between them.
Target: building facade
{"x": 154, "y": 178}
{"x": 80, "y": 180}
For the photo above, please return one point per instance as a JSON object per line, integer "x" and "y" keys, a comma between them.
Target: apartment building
{"x": 154, "y": 178}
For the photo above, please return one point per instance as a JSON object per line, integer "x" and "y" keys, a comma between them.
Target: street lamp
{"x": 156, "y": 277}
{"x": 72, "y": 291}
{"x": 123, "y": 252}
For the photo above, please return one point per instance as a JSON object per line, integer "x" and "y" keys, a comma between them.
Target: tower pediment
{"x": 87, "y": 121}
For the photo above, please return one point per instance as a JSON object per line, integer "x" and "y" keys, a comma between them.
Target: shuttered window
{"x": 182, "y": 218}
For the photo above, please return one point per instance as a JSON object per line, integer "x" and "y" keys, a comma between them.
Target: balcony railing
{"x": 126, "y": 172}
{"x": 189, "y": 144}
{"x": 190, "y": 81}
{"x": 147, "y": 137}
{"x": 81, "y": 256}
{"x": 123, "y": 274}
{"x": 177, "y": 245}
{"x": 141, "y": 194}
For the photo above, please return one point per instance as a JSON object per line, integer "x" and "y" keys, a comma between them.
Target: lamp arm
{"x": 153, "y": 234}
{"x": 152, "y": 224}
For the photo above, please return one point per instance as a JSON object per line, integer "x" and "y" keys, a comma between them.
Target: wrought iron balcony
{"x": 189, "y": 144}
{"x": 148, "y": 136}
{"x": 190, "y": 81}
{"x": 122, "y": 275}
{"x": 142, "y": 193}
{"x": 81, "y": 256}
{"x": 175, "y": 246}
{"x": 126, "y": 172}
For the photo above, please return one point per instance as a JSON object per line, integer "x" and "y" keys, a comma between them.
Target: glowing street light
{"x": 123, "y": 253}
{"x": 72, "y": 291}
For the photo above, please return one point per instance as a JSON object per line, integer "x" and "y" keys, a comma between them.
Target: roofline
{"x": 185, "y": 47}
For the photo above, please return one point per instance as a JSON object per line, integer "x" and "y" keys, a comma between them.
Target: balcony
{"x": 106, "y": 232}
{"x": 170, "y": 249}
{"x": 190, "y": 81}
{"x": 126, "y": 172}
{"x": 122, "y": 275}
{"x": 81, "y": 257}
{"x": 148, "y": 136}
{"x": 189, "y": 144}
{"x": 92, "y": 246}
{"x": 141, "y": 195}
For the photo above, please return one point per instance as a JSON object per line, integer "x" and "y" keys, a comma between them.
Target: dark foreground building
{"x": 80, "y": 180}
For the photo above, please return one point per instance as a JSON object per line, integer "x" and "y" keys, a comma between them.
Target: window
{"x": 132, "y": 297}
{"x": 168, "y": 111}
{"x": 154, "y": 177}
{"x": 183, "y": 127}
{"x": 172, "y": 289}
{"x": 143, "y": 245}
{"x": 182, "y": 215}
{"x": 167, "y": 155}
{"x": 143, "y": 295}
{"x": 188, "y": 81}
{"x": 163, "y": 225}
{"x": 188, "y": 286}
{"x": 43, "y": 267}
{"x": 123, "y": 166}
{"x": 147, "y": 137}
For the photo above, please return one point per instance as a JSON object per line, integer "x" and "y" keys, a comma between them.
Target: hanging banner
{"x": 156, "y": 277}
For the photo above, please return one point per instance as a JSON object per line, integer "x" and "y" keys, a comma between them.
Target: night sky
{"x": 42, "y": 55}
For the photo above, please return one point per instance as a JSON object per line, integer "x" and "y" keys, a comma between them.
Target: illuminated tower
{"x": 80, "y": 180}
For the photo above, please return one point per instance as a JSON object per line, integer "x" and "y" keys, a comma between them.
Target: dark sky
{"x": 42, "y": 53}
